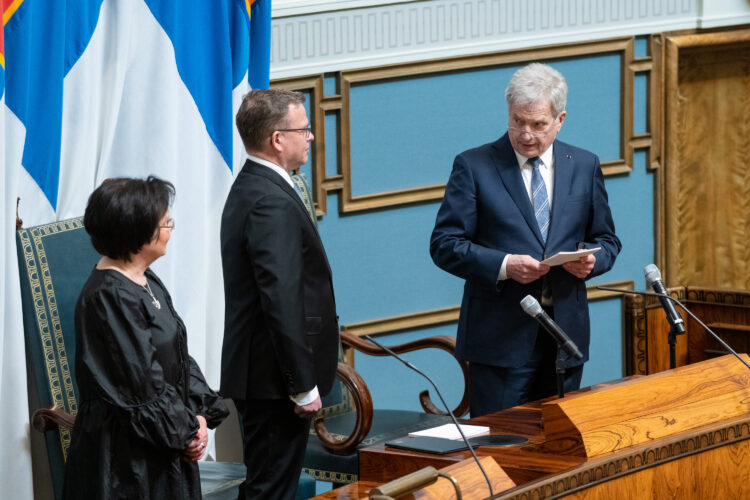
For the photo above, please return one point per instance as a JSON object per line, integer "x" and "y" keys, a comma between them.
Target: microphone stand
{"x": 672, "y": 337}
{"x": 562, "y": 357}
{"x": 682, "y": 306}
{"x": 453, "y": 417}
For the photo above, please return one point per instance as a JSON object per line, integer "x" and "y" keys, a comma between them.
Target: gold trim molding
{"x": 59, "y": 377}
{"x": 436, "y": 317}
{"x": 339, "y": 104}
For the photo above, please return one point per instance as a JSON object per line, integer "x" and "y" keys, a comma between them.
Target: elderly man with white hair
{"x": 508, "y": 205}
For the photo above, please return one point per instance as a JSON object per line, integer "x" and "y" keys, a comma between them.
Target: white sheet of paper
{"x": 449, "y": 431}
{"x": 563, "y": 257}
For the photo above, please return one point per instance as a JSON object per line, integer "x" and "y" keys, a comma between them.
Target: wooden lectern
{"x": 682, "y": 433}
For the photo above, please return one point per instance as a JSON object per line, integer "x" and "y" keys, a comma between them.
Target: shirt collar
{"x": 546, "y": 157}
{"x": 283, "y": 173}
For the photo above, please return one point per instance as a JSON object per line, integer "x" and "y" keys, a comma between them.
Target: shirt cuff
{"x": 305, "y": 398}
{"x": 503, "y": 274}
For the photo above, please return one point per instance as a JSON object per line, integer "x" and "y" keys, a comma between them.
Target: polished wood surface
{"x": 522, "y": 463}
{"x": 687, "y": 454}
{"x": 687, "y": 465}
{"x": 707, "y": 182}
{"x": 354, "y": 491}
{"x": 472, "y": 483}
{"x": 727, "y": 312}
{"x": 470, "y": 479}
{"x": 641, "y": 410}
{"x": 467, "y": 474}
{"x": 719, "y": 473}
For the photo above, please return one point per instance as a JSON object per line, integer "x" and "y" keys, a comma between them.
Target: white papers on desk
{"x": 449, "y": 431}
{"x": 563, "y": 257}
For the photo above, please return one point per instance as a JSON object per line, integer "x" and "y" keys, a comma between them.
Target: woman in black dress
{"x": 144, "y": 405}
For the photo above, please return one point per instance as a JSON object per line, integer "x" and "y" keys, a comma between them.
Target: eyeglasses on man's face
{"x": 306, "y": 131}
{"x": 536, "y": 129}
{"x": 169, "y": 225}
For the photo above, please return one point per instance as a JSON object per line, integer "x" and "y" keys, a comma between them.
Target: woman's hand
{"x": 197, "y": 448}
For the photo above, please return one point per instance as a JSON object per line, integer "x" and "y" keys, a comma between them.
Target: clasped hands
{"x": 197, "y": 447}
{"x": 525, "y": 269}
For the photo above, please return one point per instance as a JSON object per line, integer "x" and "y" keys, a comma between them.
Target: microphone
{"x": 531, "y": 307}
{"x": 453, "y": 417}
{"x": 653, "y": 278}
{"x": 411, "y": 483}
{"x": 682, "y": 306}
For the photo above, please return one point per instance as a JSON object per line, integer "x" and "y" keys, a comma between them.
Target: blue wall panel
{"x": 405, "y": 133}
{"x": 640, "y": 103}
{"x": 381, "y": 263}
{"x": 392, "y": 385}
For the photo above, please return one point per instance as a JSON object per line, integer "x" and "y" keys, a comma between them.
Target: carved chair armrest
{"x": 47, "y": 419}
{"x": 362, "y": 402}
{"x": 444, "y": 342}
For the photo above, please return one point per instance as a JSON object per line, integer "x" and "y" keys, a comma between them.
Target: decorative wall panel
{"x": 707, "y": 182}
{"x": 346, "y": 36}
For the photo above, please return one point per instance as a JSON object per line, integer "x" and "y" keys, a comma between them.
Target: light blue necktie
{"x": 539, "y": 197}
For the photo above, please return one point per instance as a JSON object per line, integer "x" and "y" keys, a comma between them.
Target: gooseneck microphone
{"x": 531, "y": 307}
{"x": 453, "y": 417}
{"x": 653, "y": 278}
{"x": 682, "y": 306}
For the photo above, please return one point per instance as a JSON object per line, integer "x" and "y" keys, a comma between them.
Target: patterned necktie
{"x": 301, "y": 186}
{"x": 539, "y": 197}
{"x": 297, "y": 190}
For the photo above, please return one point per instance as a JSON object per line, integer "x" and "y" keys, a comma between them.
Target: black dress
{"x": 139, "y": 394}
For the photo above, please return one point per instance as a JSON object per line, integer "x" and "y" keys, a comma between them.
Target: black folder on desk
{"x": 426, "y": 444}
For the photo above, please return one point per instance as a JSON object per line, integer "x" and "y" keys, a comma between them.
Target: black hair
{"x": 123, "y": 214}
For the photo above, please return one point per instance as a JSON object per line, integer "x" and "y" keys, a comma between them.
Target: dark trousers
{"x": 495, "y": 388}
{"x": 274, "y": 441}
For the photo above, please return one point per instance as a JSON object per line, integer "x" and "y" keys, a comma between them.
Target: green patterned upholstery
{"x": 54, "y": 262}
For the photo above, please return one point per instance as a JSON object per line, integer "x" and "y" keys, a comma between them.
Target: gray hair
{"x": 534, "y": 83}
{"x": 263, "y": 111}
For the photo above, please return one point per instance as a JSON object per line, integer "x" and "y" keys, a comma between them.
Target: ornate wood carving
{"x": 639, "y": 459}
{"x": 636, "y": 362}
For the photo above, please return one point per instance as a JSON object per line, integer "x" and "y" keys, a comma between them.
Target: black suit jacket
{"x": 280, "y": 328}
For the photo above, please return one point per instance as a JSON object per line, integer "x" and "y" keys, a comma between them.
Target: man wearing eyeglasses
{"x": 281, "y": 338}
{"x": 507, "y": 206}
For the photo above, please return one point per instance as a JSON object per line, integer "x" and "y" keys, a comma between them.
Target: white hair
{"x": 537, "y": 82}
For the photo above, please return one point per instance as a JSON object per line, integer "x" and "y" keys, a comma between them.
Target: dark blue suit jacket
{"x": 486, "y": 214}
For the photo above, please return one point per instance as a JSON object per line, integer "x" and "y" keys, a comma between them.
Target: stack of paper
{"x": 449, "y": 431}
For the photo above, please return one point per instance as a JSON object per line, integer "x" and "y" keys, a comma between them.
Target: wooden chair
{"x": 54, "y": 262}
{"x": 348, "y": 421}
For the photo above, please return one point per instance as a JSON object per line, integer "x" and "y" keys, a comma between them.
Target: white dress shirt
{"x": 546, "y": 168}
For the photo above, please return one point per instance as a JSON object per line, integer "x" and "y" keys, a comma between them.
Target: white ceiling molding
{"x": 350, "y": 34}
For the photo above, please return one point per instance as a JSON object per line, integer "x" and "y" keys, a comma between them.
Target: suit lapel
{"x": 563, "y": 177}
{"x": 289, "y": 190}
{"x": 506, "y": 164}
{"x": 279, "y": 181}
